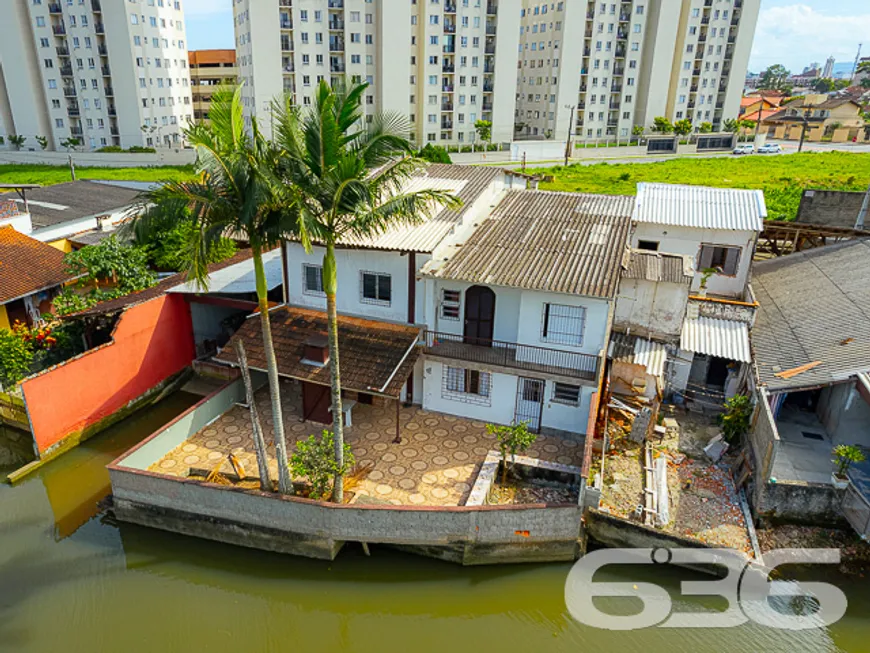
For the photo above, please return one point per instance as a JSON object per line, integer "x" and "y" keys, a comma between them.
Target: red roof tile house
{"x": 31, "y": 274}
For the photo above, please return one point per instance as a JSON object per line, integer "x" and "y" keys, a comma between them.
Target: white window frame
{"x": 306, "y": 267}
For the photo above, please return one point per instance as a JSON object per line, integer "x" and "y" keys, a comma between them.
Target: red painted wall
{"x": 151, "y": 342}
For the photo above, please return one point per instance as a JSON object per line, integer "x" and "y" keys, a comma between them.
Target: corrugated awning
{"x": 238, "y": 278}
{"x": 640, "y": 351}
{"x": 721, "y": 338}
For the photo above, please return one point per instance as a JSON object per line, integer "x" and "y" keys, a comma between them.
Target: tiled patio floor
{"x": 435, "y": 463}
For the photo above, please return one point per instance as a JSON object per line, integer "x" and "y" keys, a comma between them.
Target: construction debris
{"x": 788, "y": 374}
{"x": 716, "y": 449}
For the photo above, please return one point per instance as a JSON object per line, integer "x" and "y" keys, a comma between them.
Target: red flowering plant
{"x": 39, "y": 337}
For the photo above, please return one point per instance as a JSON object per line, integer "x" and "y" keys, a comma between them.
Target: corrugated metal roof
{"x": 537, "y": 240}
{"x": 238, "y": 278}
{"x": 721, "y": 338}
{"x": 467, "y": 182}
{"x": 658, "y": 266}
{"x": 813, "y": 306}
{"x": 640, "y": 351}
{"x": 700, "y": 206}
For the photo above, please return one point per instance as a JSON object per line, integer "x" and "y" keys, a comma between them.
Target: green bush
{"x": 434, "y": 154}
{"x": 735, "y": 420}
{"x": 111, "y": 149}
{"x": 315, "y": 460}
{"x": 138, "y": 149}
{"x": 16, "y": 357}
{"x": 168, "y": 249}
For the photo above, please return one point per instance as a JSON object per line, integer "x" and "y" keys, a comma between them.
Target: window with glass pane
{"x": 313, "y": 279}
{"x": 563, "y": 324}
{"x": 376, "y": 288}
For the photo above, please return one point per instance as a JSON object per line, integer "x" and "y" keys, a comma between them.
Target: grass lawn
{"x": 782, "y": 178}
{"x": 47, "y": 175}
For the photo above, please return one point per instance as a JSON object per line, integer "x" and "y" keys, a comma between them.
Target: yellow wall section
{"x": 4, "y": 319}
{"x": 63, "y": 245}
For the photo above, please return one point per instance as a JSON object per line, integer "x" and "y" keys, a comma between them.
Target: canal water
{"x": 71, "y": 580}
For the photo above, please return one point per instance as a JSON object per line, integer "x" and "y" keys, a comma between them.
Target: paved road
{"x": 789, "y": 147}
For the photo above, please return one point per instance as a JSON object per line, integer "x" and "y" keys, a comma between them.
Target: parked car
{"x": 770, "y": 148}
{"x": 746, "y": 148}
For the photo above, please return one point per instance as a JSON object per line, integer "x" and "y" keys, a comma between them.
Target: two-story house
{"x": 520, "y": 313}
{"x": 685, "y": 283}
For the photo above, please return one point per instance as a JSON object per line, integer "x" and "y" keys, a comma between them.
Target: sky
{"x": 793, "y": 33}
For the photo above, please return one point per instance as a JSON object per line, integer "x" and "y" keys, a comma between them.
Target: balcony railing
{"x": 54, "y": 9}
{"x": 59, "y": 30}
{"x": 513, "y": 355}
{"x": 106, "y": 71}
{"x": 69, "y": 91}
{"x": 62, "y": 51}
{"x": 103, "y": 50}
{"x": 99, "y": 28}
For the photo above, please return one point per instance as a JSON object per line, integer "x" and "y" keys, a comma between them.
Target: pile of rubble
{"x": 854, "y": 552}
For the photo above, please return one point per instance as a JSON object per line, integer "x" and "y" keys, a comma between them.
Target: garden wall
{"x": 98, "y": 159}
{"x": 67, "y": 403}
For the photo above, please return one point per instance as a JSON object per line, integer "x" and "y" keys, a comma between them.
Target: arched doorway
{"x": 479, "y": 316}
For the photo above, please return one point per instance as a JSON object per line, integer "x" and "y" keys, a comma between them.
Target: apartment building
{"x": 209, "y": 69}
{"x": 445, "y": 64}
{"x": 105, "y": 72}
{"x": 636, "y": 60}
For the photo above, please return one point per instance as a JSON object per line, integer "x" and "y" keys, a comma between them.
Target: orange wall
{"x": 152, "y": 341}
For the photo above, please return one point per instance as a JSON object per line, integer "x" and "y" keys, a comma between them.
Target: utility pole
{"x": 72, "y": 168}
{"x": 760, "y": 109}
{"x": 570, "y": 132}
{"x": 804, "y": 129}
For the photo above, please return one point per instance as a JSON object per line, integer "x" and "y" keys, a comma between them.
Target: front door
{"x": 316, "y": 403}
{"x": 530, "y": 403}
{"x": 479, "y": 316}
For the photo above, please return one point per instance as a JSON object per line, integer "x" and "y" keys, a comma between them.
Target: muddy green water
{"x": 70, "y": 580}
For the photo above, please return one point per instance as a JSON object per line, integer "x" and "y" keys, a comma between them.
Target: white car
{"x": 746, "y": 148}
{"x": 770, "y": 148}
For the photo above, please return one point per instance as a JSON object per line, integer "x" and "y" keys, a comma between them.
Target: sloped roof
{"x": 28, "y": 265}
{"x": 60, "y": 203}
{"x": 659, "y": 266}
{"x": 721, "y": 338}
{"x": 700, "y": 207}
{"x": 813, "y": 306}
{"x": 554, "y": 242}
{"x": 376, "y": 357}
{"x": 466, "y": 182}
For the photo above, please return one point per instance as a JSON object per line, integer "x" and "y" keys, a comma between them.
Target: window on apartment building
{"x": 564, "y": 393}
{"x": 471, "y": 386}
{"x": 376, "y": 288}
{"x": 450, "y": 304}
{"x": 648, "y": 245}
{"x": 312, "y": 278}
{"x": 563, "y": 324}
{"x": 724, "y": 259}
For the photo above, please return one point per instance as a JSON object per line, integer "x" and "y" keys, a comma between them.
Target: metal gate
{"x": 530, "y": 403}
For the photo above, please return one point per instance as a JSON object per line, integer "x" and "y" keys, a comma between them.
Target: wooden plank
{"x": 788, "y": 374}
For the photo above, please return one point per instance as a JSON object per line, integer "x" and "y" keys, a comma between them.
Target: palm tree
{"x": 346, "y": 179}
{"x": 236, "y": 192}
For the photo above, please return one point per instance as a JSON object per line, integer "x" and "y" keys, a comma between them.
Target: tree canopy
{"x": 775, "y": 78}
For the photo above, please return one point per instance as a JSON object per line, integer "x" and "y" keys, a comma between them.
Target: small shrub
{"x": 434, "y": 154}
{"x": 16, "y": 357}
{"x": 315, "y": 460}
{"x": 512, "y": 440}
{"x": 625, "y": 176}
{"x": 111, "y": 148}
{"x": 735, "y": 420}
{"x": 138, "y": 149}
{"x": 845, "y": 456}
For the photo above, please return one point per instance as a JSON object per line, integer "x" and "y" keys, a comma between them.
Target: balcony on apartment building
{"x": 491, "y": 8}
{"x": 449, "y": 48}
{"x": 616, "y": 88}
{"x": 449, "y": 27}
{"x": 285, "y": 3}
{"x": 59, "y": 30}
{"x": 110, "y": 92}
{"x": 336, "y": 22}
{"x": 708, "y": 3}
{"x": 696, "y": 72}
{"x": 66, "y": 71}
{"x": 489, "y": 68}
{"x": 73, "y": 112}
{"x": 447, "y": 106}
{"x": 622, "y": 34}
{"x": 490, "y": 29}
{"x": 336, "y": 45}
{"x": 69, "y": 91}
{"x": 105, "y": 70}
{"x": 336, "y": 4}
{"x": 449, "y": 7}
{"x": 705, "y": 20}
{"x": 99, "y": 28}
{"x": 620, "y": 70}
{"x": 487, "y": 105}
{"x": 287, "y": 66}
{"x": 76, "y": 130}
{"x": 702, "y": 37}
{"x": 286, "y": 45}
{"x": 96, "y": 6}
{"x": 488, "y": 86}
{"x": 446, "y": 124}
{"x": 103, "y": 51}
{"x": 286, "y": 22}
{"x": 55, "y": 8}
{"x": 735, "y": 18}
{"x": 512, "y": 355}
{"x": 447, "y": 88}
{"x": 112, "y": 111}
{"x": 620, "y": 51}
{"x": 62, "y": 51}
{"x": 114, "y": 130}
{"x": 336, "y": 66}
{"x": 448, "y": 67}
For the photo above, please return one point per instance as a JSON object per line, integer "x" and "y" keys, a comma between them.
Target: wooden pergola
{"x": 781, "y": 238}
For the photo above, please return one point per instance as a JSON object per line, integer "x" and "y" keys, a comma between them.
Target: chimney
{"x": 316, "y": 351}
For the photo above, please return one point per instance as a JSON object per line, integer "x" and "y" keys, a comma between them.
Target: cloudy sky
{"x": 791, "y": 32}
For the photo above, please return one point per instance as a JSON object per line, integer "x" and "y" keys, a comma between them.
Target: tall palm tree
{"x": 235, "y": 191}
{"x": 346, "y": 179}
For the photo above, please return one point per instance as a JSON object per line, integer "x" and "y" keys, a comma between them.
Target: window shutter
{"x": 706, "y": 259}
{"x": 731, "y": 259}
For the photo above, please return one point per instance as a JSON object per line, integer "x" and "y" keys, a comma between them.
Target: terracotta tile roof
{"x": 376, "y": 357}
{"x": 120, "y": 303}
{"x": 27, "y": 265}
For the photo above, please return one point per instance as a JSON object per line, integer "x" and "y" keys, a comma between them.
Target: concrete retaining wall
{"x": 104, "y": 160}
{"x": 795, "y": 502}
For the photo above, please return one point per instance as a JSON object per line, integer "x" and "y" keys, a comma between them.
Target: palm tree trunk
{"x": 330, "y": 286}
{"x": 285, "y": 483}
